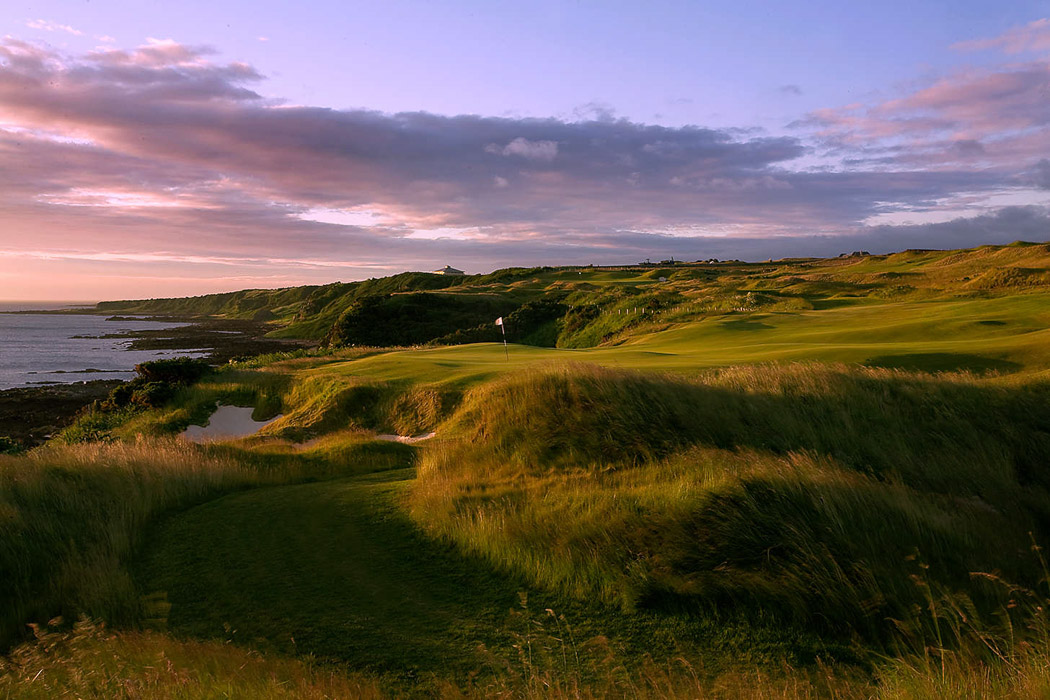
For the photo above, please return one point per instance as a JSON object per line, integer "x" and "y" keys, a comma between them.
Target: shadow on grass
{"x": 337, "y": 570}
{"x": 745, "y": 324}
{"x": 944, "y": 362}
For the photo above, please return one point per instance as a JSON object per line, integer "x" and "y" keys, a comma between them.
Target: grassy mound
{"x": 321, "y": 404}
{"x": 70, "y": 517}
{"x": 803, "y": 491}
{"x": 603, "y": 305}
{"x": 91, "y": 662}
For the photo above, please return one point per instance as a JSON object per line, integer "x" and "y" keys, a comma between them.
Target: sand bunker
{"x": 226, "y": 423}
{"x": 405, "y": 438}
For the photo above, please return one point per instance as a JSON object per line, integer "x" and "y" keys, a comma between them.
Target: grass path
{"x": 332, "y": 569}
{"x": 336, "y": 569}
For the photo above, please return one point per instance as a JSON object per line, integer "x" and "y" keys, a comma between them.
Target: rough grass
{"x": 715, "y": 511}
{"x": 321, "y": 404}
{"x": 91, "y": 662}
{"x": 799, "y": 491}
{"x": 70, "y": 517}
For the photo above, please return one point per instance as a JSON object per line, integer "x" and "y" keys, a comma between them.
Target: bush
{"x": 152, "y": 394}
{"x": 178, "y": 370}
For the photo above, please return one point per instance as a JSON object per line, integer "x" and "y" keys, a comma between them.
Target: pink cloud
{"x": 1034, "y": 36}
{"x": 162, "y": 156}
{"x": 994, "y": 118}
{"x": 47, "y": 26}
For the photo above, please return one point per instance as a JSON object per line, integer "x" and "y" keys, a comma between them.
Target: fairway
{"x": 1001, "y": 333}
{"x": 330, "y": 569}
{"x": 336, "y": 570}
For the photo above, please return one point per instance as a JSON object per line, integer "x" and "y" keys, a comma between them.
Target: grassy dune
{"x": 786, "y": 490}
{"x": 598, "y": 305}
{"x": 71, "y": 517}
{"x": 807, "y": 478}
{"x": 92, "y": 662}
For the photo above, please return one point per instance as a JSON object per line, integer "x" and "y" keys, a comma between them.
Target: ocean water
{"x": 40, "y": 349}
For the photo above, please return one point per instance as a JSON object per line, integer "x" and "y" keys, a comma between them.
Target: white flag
{"x": 499, "y": 321}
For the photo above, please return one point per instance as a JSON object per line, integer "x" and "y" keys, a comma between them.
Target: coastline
{"x": 31, "y": 414}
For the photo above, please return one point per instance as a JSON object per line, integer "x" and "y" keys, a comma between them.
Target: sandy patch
{"x": 228, "y": 422}
{"x": 405, "y": 438}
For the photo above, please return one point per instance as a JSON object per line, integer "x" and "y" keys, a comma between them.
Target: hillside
{"x": 584, "y": 307}
{"x": 805, "y": 478}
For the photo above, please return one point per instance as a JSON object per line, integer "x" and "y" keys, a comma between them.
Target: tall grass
{"x": 317, "y": 405}
{"x": 798, "y": 491}
{"x": 91, "y": 662}
{"x": 549, "y": 661}
{"x": 70, "y": 516}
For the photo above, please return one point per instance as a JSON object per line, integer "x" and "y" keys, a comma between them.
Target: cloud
{"x": 1040, "y": 174}
{"x": 594, "y": 112}
{"x": 993, "y": 117}
{"x": 1034, "y": 36}
{"x": 996, "y": 117}
{"x": 47, "y": 26}
{"x": 530, "y": 150}
{"x": 794, "y": 90}
{"x": 162, "y": 153}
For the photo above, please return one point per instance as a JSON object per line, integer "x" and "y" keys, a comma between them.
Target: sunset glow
{"x": 209, "y": 148}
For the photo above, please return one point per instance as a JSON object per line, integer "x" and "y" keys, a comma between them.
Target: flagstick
{"x": 505, "y": 351}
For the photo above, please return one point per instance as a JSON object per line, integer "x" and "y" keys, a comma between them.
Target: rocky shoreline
{"x": 30, "y": 415}
{"x": 222, "y": 339}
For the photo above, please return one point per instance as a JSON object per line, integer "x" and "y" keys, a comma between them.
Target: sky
{"x": 156, "y": 149}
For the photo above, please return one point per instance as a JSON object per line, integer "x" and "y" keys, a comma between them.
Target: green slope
{"x": 337, "y": 570}
{"x": 685, "y": 484}
{"x": 604, "y": 305}
{"x": 330, "y": 569}
{"x": 1006, "y": 334}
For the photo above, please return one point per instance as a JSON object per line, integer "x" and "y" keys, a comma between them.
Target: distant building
{"x": 446, "y": 270}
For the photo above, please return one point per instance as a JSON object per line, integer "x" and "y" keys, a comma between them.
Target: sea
{"x": 44, "y": 349}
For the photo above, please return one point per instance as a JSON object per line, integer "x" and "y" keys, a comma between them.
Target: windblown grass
{"x": 71, "y": 516}
{"x": 852, "y": 502}
{"x": 91, "y": 662}
{"x": 797, "y": 491}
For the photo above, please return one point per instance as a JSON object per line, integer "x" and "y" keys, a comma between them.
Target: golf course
{"x": 788, "y": 479}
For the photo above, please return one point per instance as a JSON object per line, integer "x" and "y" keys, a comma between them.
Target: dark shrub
{"x": 9, "y": 446}
{"x": 120, "y": 396}
{"x": 152, "y": 394}
{"x": 178, "y": 370}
